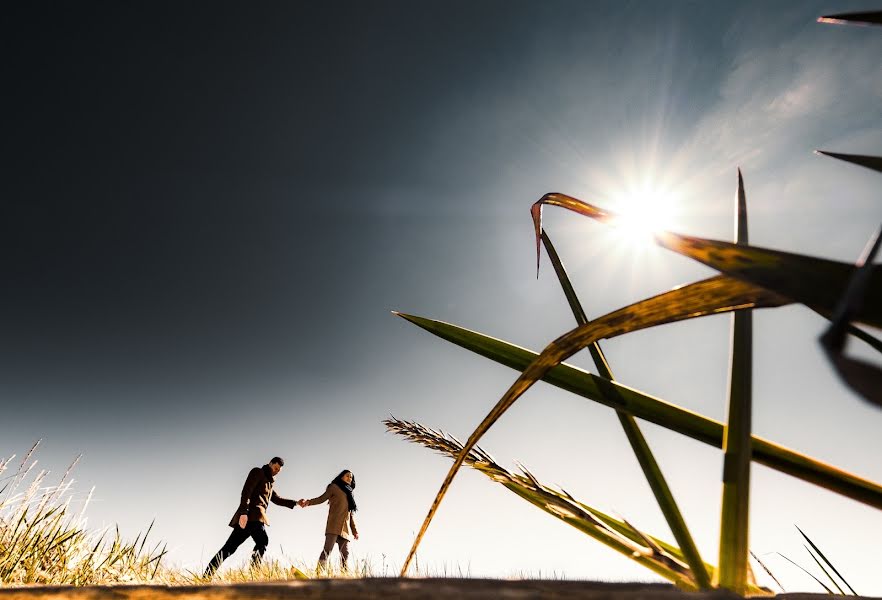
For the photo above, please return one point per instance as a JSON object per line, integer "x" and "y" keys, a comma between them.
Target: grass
{"x": 43, "y": 540}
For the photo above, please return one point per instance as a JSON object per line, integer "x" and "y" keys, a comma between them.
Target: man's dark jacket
{"x": 257, "y": 493}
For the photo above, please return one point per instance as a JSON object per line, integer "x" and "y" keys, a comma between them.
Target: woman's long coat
{"x": 340, "y": 520}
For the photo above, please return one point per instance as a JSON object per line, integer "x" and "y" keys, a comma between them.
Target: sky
{"x": 210, "y": 209}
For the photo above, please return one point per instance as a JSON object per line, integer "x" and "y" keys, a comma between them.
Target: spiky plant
{"x": 750, "y": 278}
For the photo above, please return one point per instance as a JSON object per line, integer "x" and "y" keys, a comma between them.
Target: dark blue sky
{"x": 209, "y": 209}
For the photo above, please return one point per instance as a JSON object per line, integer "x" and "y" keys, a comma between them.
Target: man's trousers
{"x": 255, "y": 530}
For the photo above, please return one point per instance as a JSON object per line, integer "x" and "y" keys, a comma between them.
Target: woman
{"x": 341, "y": 519}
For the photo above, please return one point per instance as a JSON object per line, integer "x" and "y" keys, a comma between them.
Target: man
{"x": 250, "y": 518}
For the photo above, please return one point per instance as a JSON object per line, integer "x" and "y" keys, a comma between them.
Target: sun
{"x": 643, "y": 213}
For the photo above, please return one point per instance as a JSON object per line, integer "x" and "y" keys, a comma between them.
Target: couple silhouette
{"x": 250, "y": 519}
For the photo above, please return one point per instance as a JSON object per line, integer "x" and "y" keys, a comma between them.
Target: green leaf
{"x": 816, "y": 282}
{"x": 734, "y": 520}
{"x": 655, "y": 410}
{"x": 651, "y": 470}
{"x": 766, "y": 569}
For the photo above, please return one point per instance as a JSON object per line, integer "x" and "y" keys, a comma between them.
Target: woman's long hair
{"x": 346, "y": 487}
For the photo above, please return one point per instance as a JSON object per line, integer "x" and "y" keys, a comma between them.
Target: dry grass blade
{"x": 646, "y": 550}
{"x": 766, "y": 569}
{"x": 816, "y": 282}
{"x": 821, "y": 554}
{"x": 41, "y": 544}
{"x": 821, "y": 583}
{"x": 711, "y": 296}
{"x": 870, "y": 162}
{"x": 823, "y": 570}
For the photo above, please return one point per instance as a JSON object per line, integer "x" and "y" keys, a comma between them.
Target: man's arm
{"x": 276, "y": 499}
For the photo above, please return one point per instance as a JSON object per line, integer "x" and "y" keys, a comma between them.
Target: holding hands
{"x": 302, "y": 503}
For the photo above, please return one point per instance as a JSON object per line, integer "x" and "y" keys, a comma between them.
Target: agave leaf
{"x": 715, "y": 295}
{"x": 733, "y": 573}
{"x": 862, "y": 377}
{"x": 821, "y": 554}
{"x": 816, "y": 282}
{"x": 865, "y": 337}
{"x": 870, "y": 162}
{"x": 655, "y": 410}
{"x": 648, "y": 464}
{"x": 821, "y": 583}
{"x": 855, "y": 18}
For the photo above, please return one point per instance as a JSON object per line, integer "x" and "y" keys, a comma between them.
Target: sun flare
{"x": 642, "y": 214}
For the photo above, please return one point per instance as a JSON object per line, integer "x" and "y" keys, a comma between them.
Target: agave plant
{"x": 750, "y": 278}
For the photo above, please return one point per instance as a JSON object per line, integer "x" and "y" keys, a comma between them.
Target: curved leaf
{"x": 816, "y": 282}
{"x": 655, "y": 410}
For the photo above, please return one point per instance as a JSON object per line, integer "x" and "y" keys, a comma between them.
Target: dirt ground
{"x": 354, "y": 589}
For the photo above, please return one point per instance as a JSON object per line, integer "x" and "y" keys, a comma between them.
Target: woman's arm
{"x": 352, "y": 526}
{"x": 323, "y": 498}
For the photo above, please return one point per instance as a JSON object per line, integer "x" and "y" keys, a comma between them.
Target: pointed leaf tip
{"x": 855, "y": 18}
{"x": 536, "y": 214}
{"x": 870, "y": 162}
